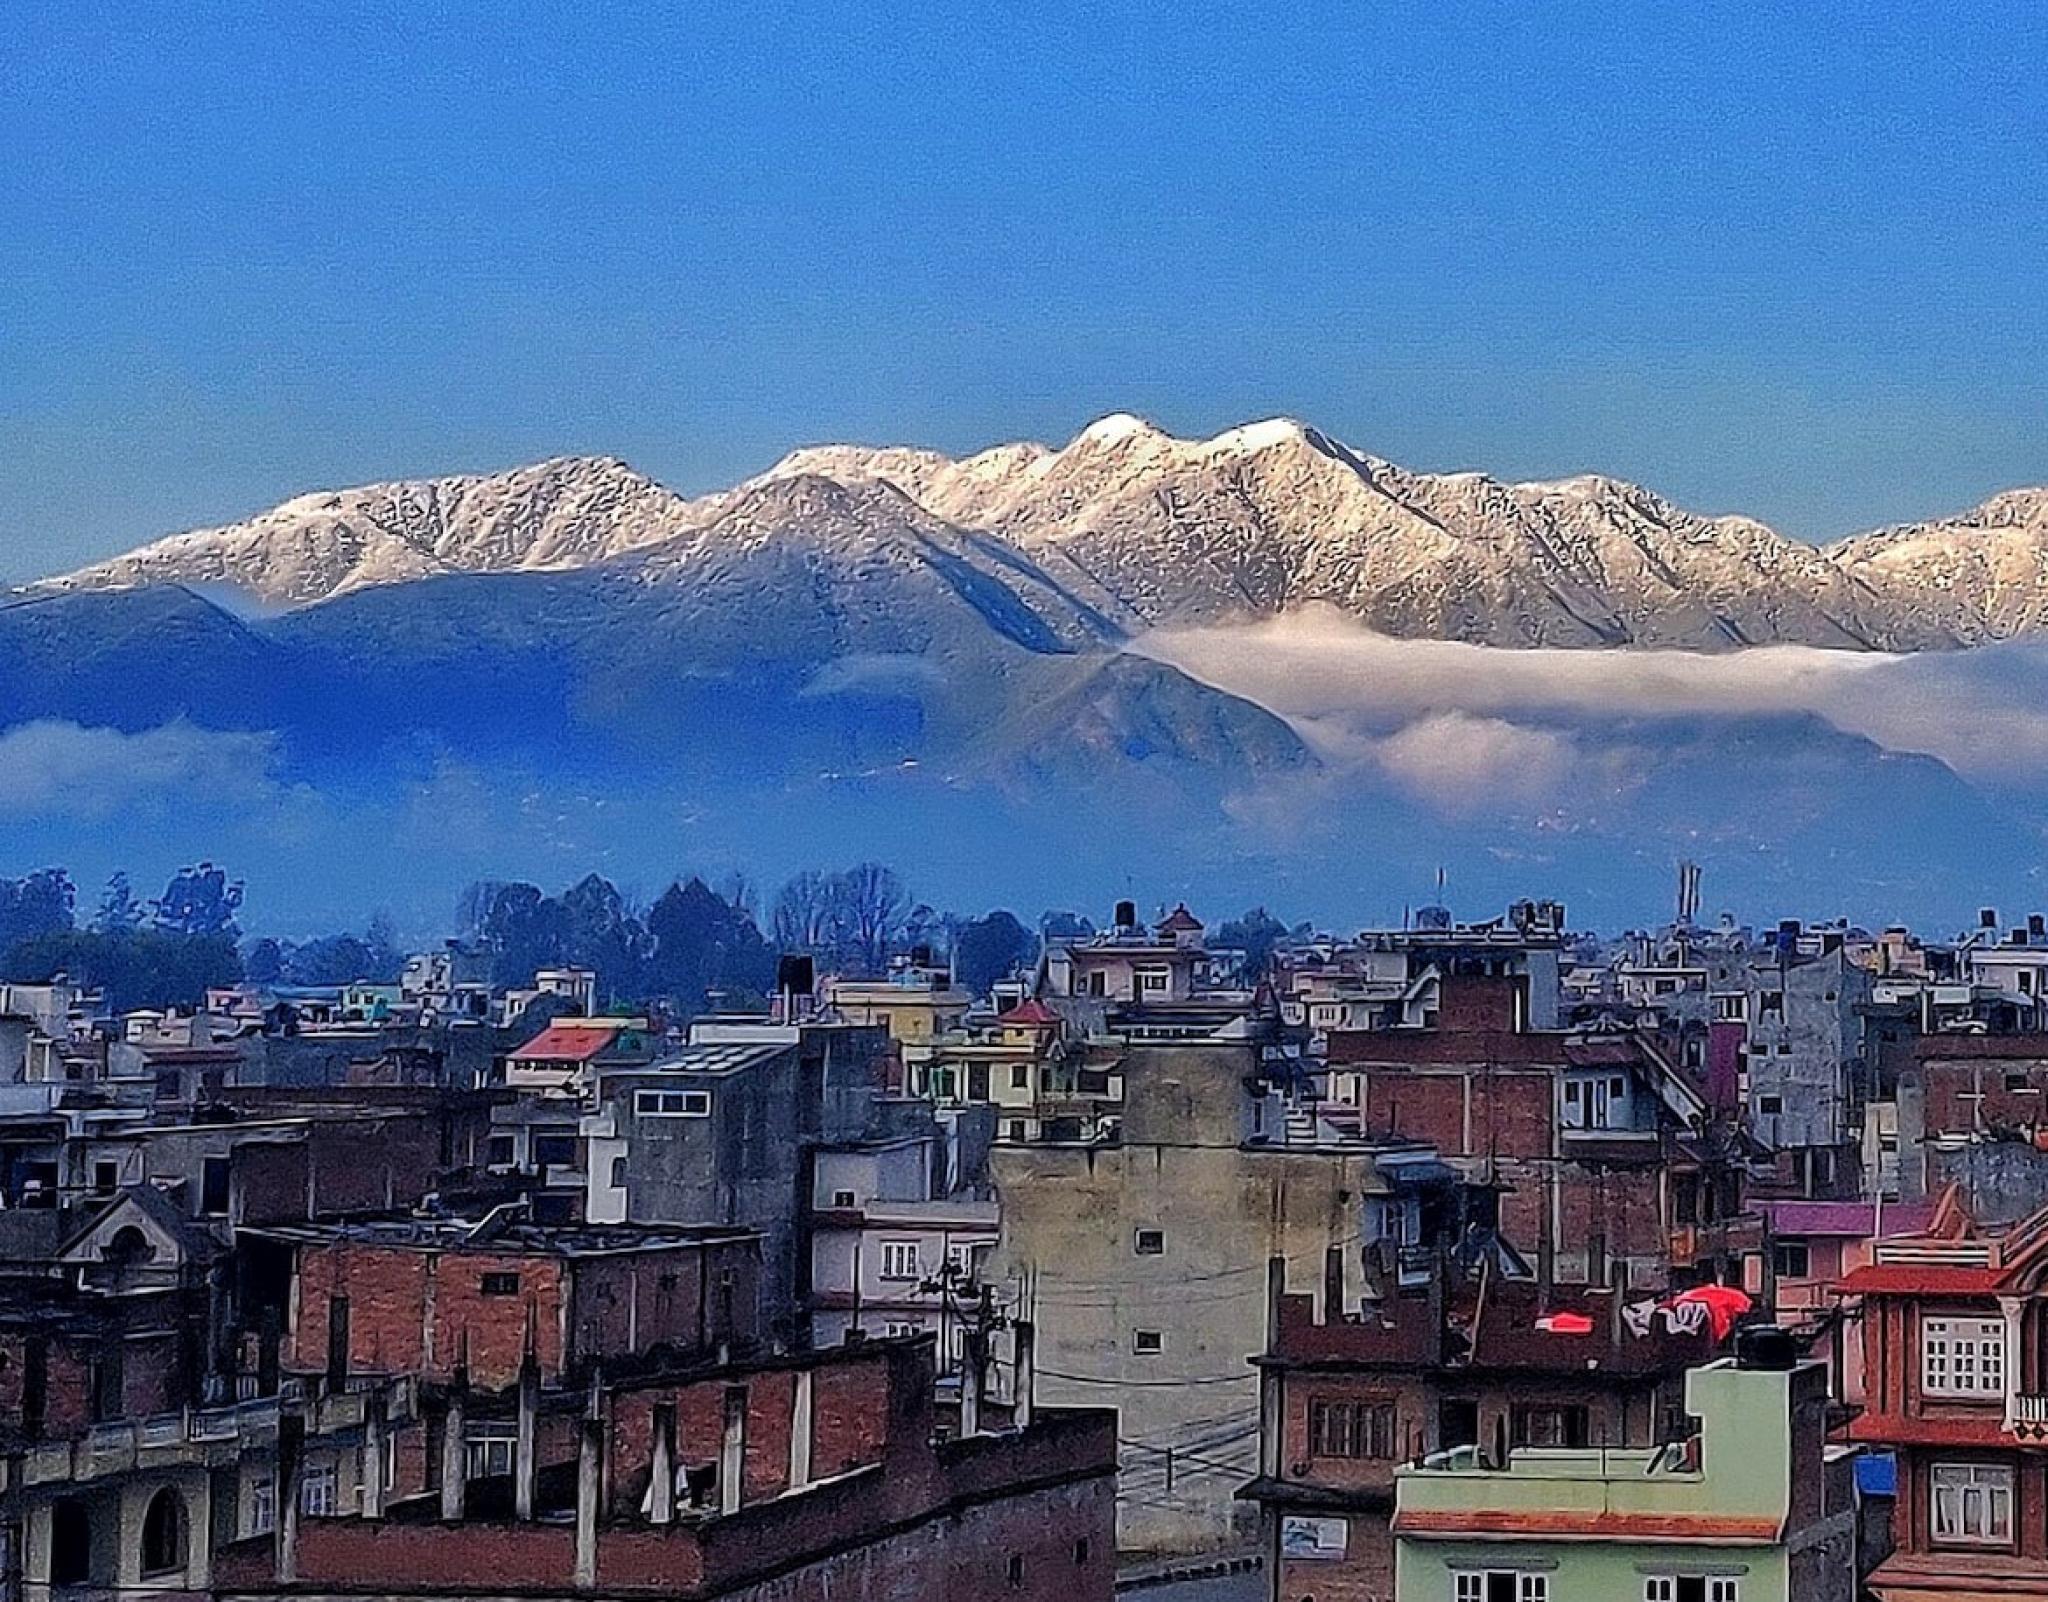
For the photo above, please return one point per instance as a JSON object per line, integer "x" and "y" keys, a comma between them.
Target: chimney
{"x": 661, "y": 1472}
{"x": 589, "y": 1485}
{"x": 1024, "y": 1377}
{"x": 525, "y": 1465}
{"x": 455, "y": 1449}
{"x": 800, "y": 1411}
{"x": 732, "y": 1451}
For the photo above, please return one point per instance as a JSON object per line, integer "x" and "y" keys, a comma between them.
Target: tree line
{"x": 692, "y": 947}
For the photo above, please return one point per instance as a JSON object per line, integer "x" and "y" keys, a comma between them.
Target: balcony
{"x": 2026, "y": 1417}
{"x": 212, "y": 1435}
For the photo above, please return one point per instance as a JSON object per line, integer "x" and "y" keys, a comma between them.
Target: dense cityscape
{"x": 601, "y": 1251}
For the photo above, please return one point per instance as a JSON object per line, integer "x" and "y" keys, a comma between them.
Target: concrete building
{"x": 1754, "y": 1508}
{"x": 1142, "y": 1261}
{"x": 892, "y": 1253}
{"x": 1130, "y": 963}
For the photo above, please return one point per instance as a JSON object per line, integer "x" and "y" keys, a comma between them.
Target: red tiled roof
{"x": 1987, "y": 1431}
{"x": 559, "y": 1043}
{"x": 1029, "y": 1011}
{"x": 1920, "y": 1279}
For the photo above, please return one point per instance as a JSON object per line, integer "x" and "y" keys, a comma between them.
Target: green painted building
{"x": 1753, "y": 1507}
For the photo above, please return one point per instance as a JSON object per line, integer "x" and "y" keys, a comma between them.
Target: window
{"x": 1017, "y": 1129}
{"x": 1770, "y": 1104}
{"x": 259, "y": 1514}
{"x": 488, "y": 1450}
{"x": 1351, "y": 1429}
{"x": 319, "y": 1492}
{"x": 502, "y": 1152}
{"x": 2017, "y": 1082}
{"x": 1147, "y": 1342}
{"x": 844, "y": 1198}
{"x": 554, "y": 1151}
{"x": 672, "y": 1103}
{"x": 1153, "y": 982}
{"x": 900, "y": 1260}
{"x": 1149, "y": 1242}
{"x": 500, "y": 1285}
{"x": 1692, "y": 1588}
{"x": 163, "y": 1533}
{"x": 1016, "y": 1570}
{"x": 1020, "y": 1076}
{"x": 213, "y": 1187}
{"x": 1547, "y": 1424}
{"x": 1972, "y": 1504}
{"x": 1962, "y": 1356}
{"x": 1499, "y": 1585}
{"x": 618, "y": 1173}
{"x": 898, "y": 1329}
{"x": 1081, "y": 1550}
{"x": 1792, "y": 1259}
{"x": 70, "y": 1543}
{"x": 105, "y": 1176}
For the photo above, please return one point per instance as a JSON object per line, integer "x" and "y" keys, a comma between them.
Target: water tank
{"x": 794, "y": 974}
{"x": 1767, "y": 1347}
{"x": 1127, "y": 915}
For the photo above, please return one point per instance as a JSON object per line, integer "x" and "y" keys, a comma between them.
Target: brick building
{"x": 1955, "y": 1341}
{"x": 429, "y": 1297}
{"x": 821, "y": 1477}
{"x": 1611, "y": 1164}
{"x": 1346, "y": 1400}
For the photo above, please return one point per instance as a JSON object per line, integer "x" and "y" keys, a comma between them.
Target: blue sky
{"x": 1787, "y": 259}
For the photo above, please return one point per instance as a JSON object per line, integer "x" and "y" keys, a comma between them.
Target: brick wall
{"x": 410, "y": 1311}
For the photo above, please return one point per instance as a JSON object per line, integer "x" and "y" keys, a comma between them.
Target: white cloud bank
{"x": 56, "y": 769}
{"x": 1445, "y": 719}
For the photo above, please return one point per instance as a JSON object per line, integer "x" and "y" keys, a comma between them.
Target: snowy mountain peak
{"x": 1127, "y": 527}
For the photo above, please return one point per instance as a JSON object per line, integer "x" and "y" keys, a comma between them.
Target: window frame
{"x": 1995, "y": 1483}
{"x": 889, "y": 1251}
{"x": 1956, "y": 1348}
{"x": 654, "y": 1102}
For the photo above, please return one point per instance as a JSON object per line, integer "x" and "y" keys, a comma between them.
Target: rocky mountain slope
{"x": 1128, "y": 528}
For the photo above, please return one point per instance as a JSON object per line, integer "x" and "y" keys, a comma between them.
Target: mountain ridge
{"x": 1127, "y": 528}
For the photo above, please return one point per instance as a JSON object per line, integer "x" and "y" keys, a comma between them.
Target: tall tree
{"x": 802, "y": 919}
{"x": 870, "y": 904}
{"x": 41, "y": 904}
{"x": 703, "y": 942}
{"x": 118, "y": 907}
{"x": 199, "y": 901}
{"x": 524, "y": 931}
{"x": 988, "y": 949}
{"x": 602, "y": 934}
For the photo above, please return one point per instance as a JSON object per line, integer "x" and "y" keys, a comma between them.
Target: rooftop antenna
{"x": 1688, "y": 893}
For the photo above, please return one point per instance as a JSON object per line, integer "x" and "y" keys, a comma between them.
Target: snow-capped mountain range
{"x": 1128, "y": 528}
